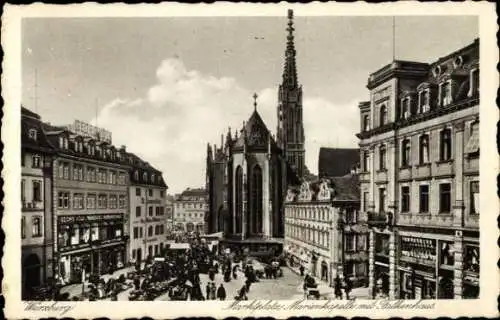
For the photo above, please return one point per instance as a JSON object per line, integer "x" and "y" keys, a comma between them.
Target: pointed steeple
{"x": 290, "y": 70}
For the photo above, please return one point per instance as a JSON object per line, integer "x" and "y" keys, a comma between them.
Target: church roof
{"x": 336, "y": 162}
{"x": 255, "y": 133}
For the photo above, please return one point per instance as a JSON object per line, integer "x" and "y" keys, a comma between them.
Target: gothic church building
{"x": 249, "y": 173}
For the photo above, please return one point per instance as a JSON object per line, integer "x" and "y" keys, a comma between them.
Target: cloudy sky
{"x": 166, "y": 86}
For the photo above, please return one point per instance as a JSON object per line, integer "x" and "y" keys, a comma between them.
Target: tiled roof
{"x": 194, "y": 192}
{"x": 346, "y": 187}
{"x": 336, "y": 162}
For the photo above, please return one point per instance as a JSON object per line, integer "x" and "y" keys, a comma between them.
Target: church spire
{"x": 290, "y": 70}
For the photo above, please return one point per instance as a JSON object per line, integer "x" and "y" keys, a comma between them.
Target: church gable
{"x": 255, "y": 133}
{"x": 305, "y": 192}
{"x": 324, "y": 192}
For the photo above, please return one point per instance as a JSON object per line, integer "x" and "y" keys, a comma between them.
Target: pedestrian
{"x": 348, "y": 287}
{"x": 208, "y": 291}
{"x": 213, "y": 291}
{"x": 301, "y": 270}
{"x": 221, "y": 292}
{"x": 337, "y": 288}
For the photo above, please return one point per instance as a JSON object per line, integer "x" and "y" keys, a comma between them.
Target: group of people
{"x": 341, "y": 287}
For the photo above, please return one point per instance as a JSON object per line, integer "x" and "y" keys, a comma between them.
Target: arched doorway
{"x": 324, "y": 271}
{"x": 31, "y": 272}
{"x": 190, "y": 227}
{"x": 199, "y": 227}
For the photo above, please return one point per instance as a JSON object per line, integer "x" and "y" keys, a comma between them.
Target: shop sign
{"x": 418, "y": 250}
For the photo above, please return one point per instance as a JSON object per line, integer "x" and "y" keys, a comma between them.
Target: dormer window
{"x": 61, "y": 142}
{"x": 145, "y": 177}
{"x": 152, "y": 178}
{"x": 33, "y": 134}
{"x": 136, "y": 175}
{"x": 65, "y": 143}
{"x": 446, "y": 93}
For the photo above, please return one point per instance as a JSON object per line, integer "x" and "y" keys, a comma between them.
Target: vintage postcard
{"x": 250, "y": 160}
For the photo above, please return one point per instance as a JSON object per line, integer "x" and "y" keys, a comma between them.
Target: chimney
{"x": 123, "y": 147}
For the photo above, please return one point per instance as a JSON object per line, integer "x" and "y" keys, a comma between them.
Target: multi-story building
{"x": 36, "y": 218}
{"x": 420, "y": 180}
{"x": 90, "y": 185}
{"x": 324, "y": 232}
{"x": 169, "y": 213}
{"x": 189, "y": 210}
{"x": 148, "y": 223}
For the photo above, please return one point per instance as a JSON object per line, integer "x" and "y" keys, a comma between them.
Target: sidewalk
{"x": 327, "y": 291}
{"x": 76, "y": 288}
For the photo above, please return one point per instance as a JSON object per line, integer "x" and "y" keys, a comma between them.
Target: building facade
{"x": 36, "y": 216}
{"x": 324, "y": 232}
{"x": 148, "y": 219}
{"x": 189, "y": 211}
{"x": 90, "y": 185}
{"x": 419, "y": 145}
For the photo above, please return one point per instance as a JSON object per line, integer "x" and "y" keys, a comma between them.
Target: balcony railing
{"x": 380, "y": 218}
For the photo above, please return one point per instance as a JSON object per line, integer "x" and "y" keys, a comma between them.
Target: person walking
{"x": 348, "y": 287}
{"x": 208, "y": 291}
{"x": 337, "y": 288}
{"x": 301, "y": 270}
{"x": 213, "y": 291}
{"x": 221, "y": 292}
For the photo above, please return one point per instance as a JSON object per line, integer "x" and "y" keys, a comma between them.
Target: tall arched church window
{"x": 256, "y": 194}
{"x": 239, "y": 199}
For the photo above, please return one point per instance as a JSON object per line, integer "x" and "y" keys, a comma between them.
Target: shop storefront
{"x": 471, "y": 271}
{"x": 91, "y": 244}
{"x": 446, "y": 270}
{"x": 417, "y": 268}
{"x": 381, "y": 265}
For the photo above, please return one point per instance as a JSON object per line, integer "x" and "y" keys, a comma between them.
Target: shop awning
{"x": 179, "y": 246}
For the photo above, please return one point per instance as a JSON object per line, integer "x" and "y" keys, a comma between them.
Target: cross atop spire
{"x": 255, "y": 96}
{"x": 290, "y": 70}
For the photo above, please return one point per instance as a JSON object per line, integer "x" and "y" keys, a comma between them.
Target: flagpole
{"x": 393, "y": 38}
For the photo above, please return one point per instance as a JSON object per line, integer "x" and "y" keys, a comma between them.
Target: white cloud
{"x": 185, "y": 109}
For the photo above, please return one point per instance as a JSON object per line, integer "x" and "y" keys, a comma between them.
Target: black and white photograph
{"x": 240, "y": 157}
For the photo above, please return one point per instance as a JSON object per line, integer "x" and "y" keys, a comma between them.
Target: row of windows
{"x": 93, "y": 201}
{"x": 320, "y": 214}
{"x": 445, "y": 151}
{"x": 36, "y": 227}
{"x": 93, "y": 149}
{"x": 308, "y": 235}
{"x": 153, "y": 177}
{"x": 355, "y": 242}
{"x": 424, "y": 198}
{"x": 408, "y": 108}
{"x": 36, "y": 160}
{"x": 158, "y": 250}
{"x": 190, "y": 205}
{"x": 158, "y": 211}
{"x": 89, "y": 174}
{"x": 158, "y": 229}
{"x": 190, "y": 214}
{"x": 70, "y": 235}
{"x": 138, "y": 192}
